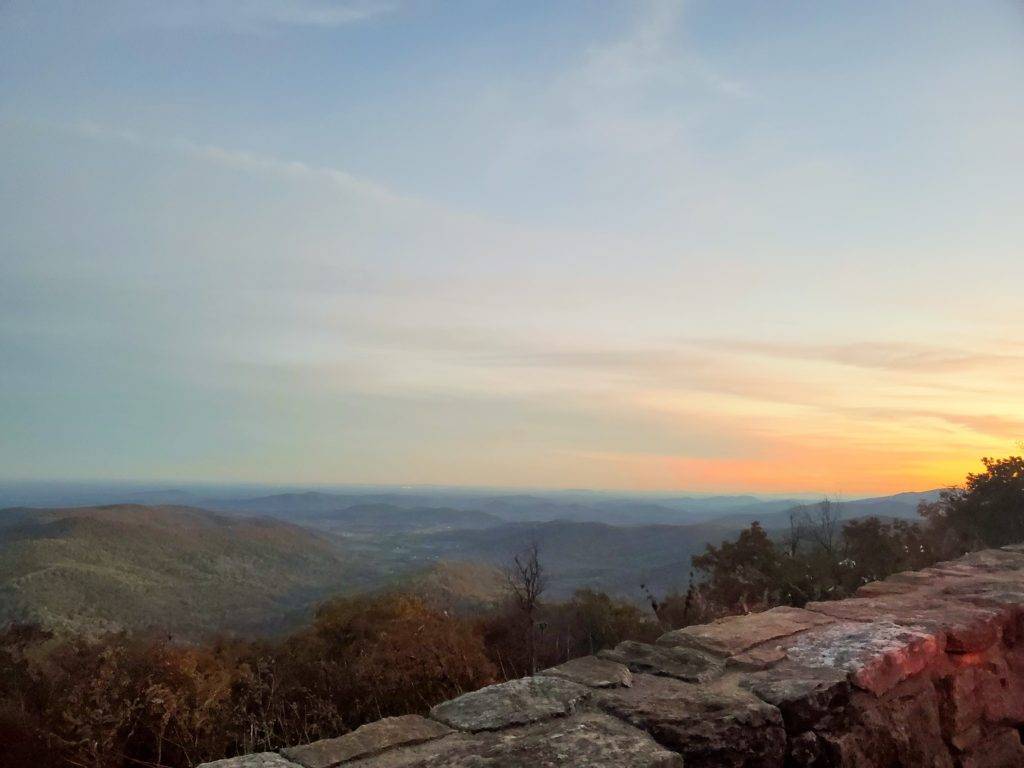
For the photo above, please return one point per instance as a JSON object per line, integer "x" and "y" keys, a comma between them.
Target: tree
{"x": 742, "y": 574}
{"x": 874, "y": 549}
{"x": 527, "y": 582}
{"x": 987, "y": 511}
{"x": 821, "y": 526}
{"x": 597, "y": 621}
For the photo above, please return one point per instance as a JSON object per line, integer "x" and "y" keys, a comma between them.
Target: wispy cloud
{"x": 652, "y": 53}
{"x": 628, "y": 102}
{"x": 239, "y": 160}
{"x": 244, "y": 16}
{"x": 1002, "y": 427}
{"x": 884, "y": 355}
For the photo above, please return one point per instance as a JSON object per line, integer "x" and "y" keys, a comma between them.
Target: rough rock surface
{"x": 257, "y": 760}
{"x": 922, "y": 670}
{"x": 592, "y": 671}
{"x": 729, "y": 636}
{"x": 588, "y": 739}
{"x": 710, "y": 725}
{"x": 687, "y": 664}
{"x": 876, "y": 655}
{"x": 516, "y": 702}
{"x": 367, "y": 740}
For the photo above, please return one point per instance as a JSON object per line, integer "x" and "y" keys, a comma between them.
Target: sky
{"x": 712, "y": 246}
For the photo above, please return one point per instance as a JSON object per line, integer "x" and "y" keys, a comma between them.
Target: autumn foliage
{"x": 120, "y": 700}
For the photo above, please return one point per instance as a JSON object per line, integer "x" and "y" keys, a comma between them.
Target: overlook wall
{"x": 925, "y": 668}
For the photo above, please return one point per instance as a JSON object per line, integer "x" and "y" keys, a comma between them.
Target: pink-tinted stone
{"x": 736, "y": 634}
{"x": 876, "y": 656}
{"x": 881, "y": 588}
{"x": 758, "y": 657}
{"x": 966, "y": 628}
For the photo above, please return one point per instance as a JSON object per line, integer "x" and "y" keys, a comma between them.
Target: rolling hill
{"x": 456, "y": 586}
{"x": 184, "y": 570}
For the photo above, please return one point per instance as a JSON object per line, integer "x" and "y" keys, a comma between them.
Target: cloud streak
{"x": 882, "y": 355}
{"x": 254, "y": 16}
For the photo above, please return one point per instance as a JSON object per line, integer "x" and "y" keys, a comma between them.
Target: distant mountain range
{"x": 901, "y": 506}
{"x": 319, "y": 506}
{"x": 258, "y": 564}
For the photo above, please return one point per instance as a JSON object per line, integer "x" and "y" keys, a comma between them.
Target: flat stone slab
{"x": 988, "y": 592}
{"x": 367, "y": 740}
{"x": 927, "y": 579}
{"x": 966, "y": 628}
{"x": 456, "y": 749}
{"x": 257, "y": 760}
{"x": 689, "y": 664}
{"x": 517, "y": 702}
{"x": 736, "y": 634}
{"x": 876, "y": 656}
{"x": 712, "y": 726}
{"x": 590, "y": 740}
{"x": 988, "y": 560}
{"x": 593, "y": 672}
{"x": 887, "y": 587}
{"x": 759, "y": 657}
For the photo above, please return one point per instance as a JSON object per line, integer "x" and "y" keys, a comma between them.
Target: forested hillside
{"x": 185, "y": 571}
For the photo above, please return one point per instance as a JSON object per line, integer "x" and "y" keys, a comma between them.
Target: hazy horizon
{"x": 225, "y": 489}
{"x": 643, "y": 246}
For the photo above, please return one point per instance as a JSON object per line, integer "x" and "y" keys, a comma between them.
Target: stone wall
{"x": 923, "y": 669}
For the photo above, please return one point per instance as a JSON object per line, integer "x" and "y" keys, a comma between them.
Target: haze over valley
{"x": 213, "y": 562}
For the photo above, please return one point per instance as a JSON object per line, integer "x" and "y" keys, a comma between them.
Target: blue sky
{"x": 713, "y": 246}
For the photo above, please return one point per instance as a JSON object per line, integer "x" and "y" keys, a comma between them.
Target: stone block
{"x": 516, "y": 702}
{"x": 256, "y": 760}
{"x": 876, "y": 655}
{"x": 965, "y": 628}
{"x": 367, "y": 740}
{"x": 806, "y": 697}
{"x": 736, "y": 634}
{"x": 588, "y": 739}
{"x": 996, "y": 748}
{"x": 687, "y": 664}
{"x": 593, "y": 672}
{"x": 712, "y": 726}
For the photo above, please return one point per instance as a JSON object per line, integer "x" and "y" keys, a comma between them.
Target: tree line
{"x": 822, "y": 557}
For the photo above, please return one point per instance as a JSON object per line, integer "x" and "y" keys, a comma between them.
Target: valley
{"x": 258, "y": 565}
